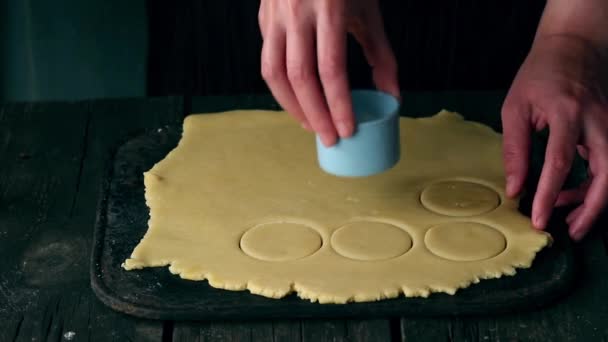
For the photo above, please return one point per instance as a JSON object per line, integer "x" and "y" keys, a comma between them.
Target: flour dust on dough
{"x": 241, "y": 202}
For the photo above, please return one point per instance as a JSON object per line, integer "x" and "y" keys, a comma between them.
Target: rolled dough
{"x": 241, "y": 203}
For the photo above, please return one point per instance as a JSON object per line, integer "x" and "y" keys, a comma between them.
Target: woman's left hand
{"x": 563, "y": 85}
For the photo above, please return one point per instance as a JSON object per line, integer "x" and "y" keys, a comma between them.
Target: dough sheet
{"x": 242, "y": 203}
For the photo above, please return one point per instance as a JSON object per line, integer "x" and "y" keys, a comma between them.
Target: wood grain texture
{"x": 157, "y": 294}
{"x": 579, "y": 317}
{"x": 52, "y": 156}
{"x": 43, "y": 216}
{"x": 346, "y": 330}
{"x": 285, "y": 330}
{"x": 222, "y": 331}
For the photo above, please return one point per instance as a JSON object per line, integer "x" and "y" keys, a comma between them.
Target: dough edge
{"x": 522, "y": 259}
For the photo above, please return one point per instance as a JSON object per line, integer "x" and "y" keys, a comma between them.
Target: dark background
{"x": 70, "y": 49}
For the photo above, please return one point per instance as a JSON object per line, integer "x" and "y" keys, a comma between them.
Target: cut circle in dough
{"x": 455, "y": 241}
{"x": 280, "y": 241}
{"x": 459, "y": 198}
{"x": 370, "y": 241}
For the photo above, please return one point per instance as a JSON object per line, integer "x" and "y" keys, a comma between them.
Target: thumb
{"x": 368, "y": 30}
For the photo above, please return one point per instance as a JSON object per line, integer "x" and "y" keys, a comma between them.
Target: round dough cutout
{"x": 280, "y": 241}
{"x": 465, "y": 241}
{"x": 370, "y": 241}
{"x": 459, "y": 198}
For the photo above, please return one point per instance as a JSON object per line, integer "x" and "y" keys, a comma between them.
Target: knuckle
{"x": 331, "y": 68}
{"x": 299, "y": 74}
{"x": 261, "y": 16}
{"x": 262, "y": 28}
{"x": 571, "y": 107}
{"x": 330, "y": 5}
{"x": 295, "y": 7}
{"x": 269, "y": 72}
{"x": 513, "y": 160}
{"x": 334, "y": 11}
{"x": 514, "y": 106}
{"x": 510, "y": 153}
{"x": 559, "y": 163}
{"x": 508, "y": 109}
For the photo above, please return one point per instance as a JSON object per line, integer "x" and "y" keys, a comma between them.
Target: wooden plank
{"x": 286, "y": 331}
{"x": 277, "y": 331}
{"x": 229, "y": 332}
{"x": 53, "y": 164}
{"x": 346, "y": 330}
{"x": 37, "y": 181}
{"x": 578, "y": 317}
{"x": 425, "y": 329}
{"x": 10, "y": 328}
{"x": 186, "y": 332}
{"x": 47, "y": 306}
{"x": 46, "y": 263}
{"x": 61, "y": 315}
{"x": 324, "y": 330}
{"x": 223, "y": 331}
{"x": 293, "y": 331}
{"x": 369, "y": 330}
{"x": 41, "y": 158}
{"x": 113, "y": 122}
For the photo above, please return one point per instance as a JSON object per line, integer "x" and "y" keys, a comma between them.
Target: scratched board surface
{"x": 155, "y": 293}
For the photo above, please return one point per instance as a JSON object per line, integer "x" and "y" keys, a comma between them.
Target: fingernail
{"x": 569, "y": 218}
{"x": 344, "y": 129}
{"x": 511, "y": 186}
{"x": 577, "y": 235}
{"x": 328, "y": 140}
{"x": 306, "y": 126}
{"x": 539, "y": 222}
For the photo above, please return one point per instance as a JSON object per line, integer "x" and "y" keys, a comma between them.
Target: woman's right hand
{"x": 304, "y": 59}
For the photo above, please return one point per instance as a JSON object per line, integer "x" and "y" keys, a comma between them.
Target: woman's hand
{"x": 562, "y": 85}
{"x": 304, "y": 59}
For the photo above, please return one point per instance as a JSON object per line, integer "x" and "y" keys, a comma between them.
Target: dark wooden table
{"x": 52, "y": 160}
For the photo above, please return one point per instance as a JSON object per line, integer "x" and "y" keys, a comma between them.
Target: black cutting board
{"x": 155, "y": 293}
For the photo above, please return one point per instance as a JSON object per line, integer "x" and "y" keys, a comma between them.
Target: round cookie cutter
{"x": 375, "y": 145}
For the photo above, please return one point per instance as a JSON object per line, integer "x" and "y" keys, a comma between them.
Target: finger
{"x": 302, "y": 74}
{"x": 574, "y": 214}
{"x": 594, "y": 203}
{"x": 274, "y": 73}
{"x": 331, "y": 55}
{"x": 262, "y": 17}
{"x": 516, "y": 145}
{"x": 560, "y": 151}
{"x": 582, "y": 151}
{"x": 572, "y": 196}
{"x": 369, "y": 32}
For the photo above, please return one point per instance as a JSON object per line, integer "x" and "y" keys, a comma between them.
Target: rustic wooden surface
{"x": 52, "y": 158}
{"x": 156, "y": 294}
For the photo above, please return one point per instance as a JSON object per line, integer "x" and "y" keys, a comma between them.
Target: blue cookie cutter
{"x": 375, "y": 146}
